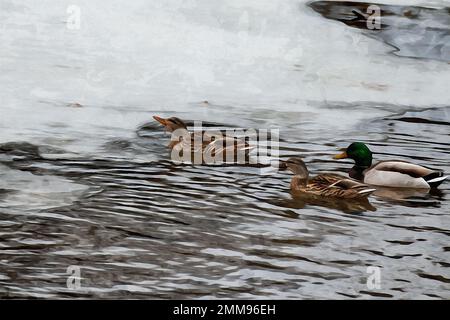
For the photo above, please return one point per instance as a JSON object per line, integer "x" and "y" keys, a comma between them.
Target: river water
{"x": 86, "y": 179}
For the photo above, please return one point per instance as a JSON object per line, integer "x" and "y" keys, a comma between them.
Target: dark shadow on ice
{"x": 414, "y": 32}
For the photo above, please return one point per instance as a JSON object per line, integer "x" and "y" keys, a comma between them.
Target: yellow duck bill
{"x": 342, "y": 155}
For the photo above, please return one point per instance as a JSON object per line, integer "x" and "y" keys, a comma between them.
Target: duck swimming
{"x": 390, "y": 173}
{"x": 324, "y": 185}
{"x": 208, "y": 145}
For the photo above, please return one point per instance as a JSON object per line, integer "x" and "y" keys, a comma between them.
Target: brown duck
{"x": 324, "y": 185}
{"x": 202, "y": 143}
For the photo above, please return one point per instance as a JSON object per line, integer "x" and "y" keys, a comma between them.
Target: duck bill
{"x": 160, "y": 120}
{"x": 282, "y": 165}
{"x": 342, "y": 155}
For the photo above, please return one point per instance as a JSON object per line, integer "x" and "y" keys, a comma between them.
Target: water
{"x": 412, "y": 31}
{"x": 93, "y": 185}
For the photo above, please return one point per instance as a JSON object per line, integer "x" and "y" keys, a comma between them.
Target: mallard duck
{"x": 391, "y": 173}
{"x": 324, "y": 185}
{"x": 212, "y": 147}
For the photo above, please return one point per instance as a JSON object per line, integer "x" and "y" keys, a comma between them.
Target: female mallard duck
{"x": 212, "y": 147}
{"x": 324, "y": 185}
{"x": 391, "y": 173}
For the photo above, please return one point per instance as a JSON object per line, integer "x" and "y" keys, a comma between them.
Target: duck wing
{"x": 223, "y": 146}
{"x": 413, "y": 170}
{"x": 325, "y": 180}
{"x": 339, "y": 186}
{"x": 402, "y": 173}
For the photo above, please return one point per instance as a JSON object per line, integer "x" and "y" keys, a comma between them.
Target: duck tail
{"x": 435, "y": 179}
{"x": 434, "y": 183}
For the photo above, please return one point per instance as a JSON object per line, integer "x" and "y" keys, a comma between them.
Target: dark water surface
{"x": 146, "y": 228}
{"x": 413, "y": 31}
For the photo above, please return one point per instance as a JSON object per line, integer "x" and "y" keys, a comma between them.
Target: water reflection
{"x": 410, "y": 197}
{"x": 300, "y": 201}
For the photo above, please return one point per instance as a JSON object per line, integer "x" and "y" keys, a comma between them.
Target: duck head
{"x": 298, "y": 168}
{"x": 359, "y": 152}
{"x": 171, "y": 124}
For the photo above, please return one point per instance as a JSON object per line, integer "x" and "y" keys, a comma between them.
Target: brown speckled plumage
{"x": 325, "y": 185}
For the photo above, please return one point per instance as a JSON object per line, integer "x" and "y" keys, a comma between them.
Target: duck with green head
{"x": 390, "y": 173}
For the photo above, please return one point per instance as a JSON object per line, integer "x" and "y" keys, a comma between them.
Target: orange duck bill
{"x": 160, "y": 120}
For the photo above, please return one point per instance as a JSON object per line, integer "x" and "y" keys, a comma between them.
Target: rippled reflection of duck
{"x": 410, "y": 197}
{"x": 202, "y": 142}
{"x": 391, "y": 173}
{"x": 300, "y": 201}
{"x": 324, "y": 185}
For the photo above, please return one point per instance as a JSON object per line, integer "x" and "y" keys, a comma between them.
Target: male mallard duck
{"x": 210, "y": 145}
{"x": 324, "y": 185}
{"x": 391, "y": 173}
